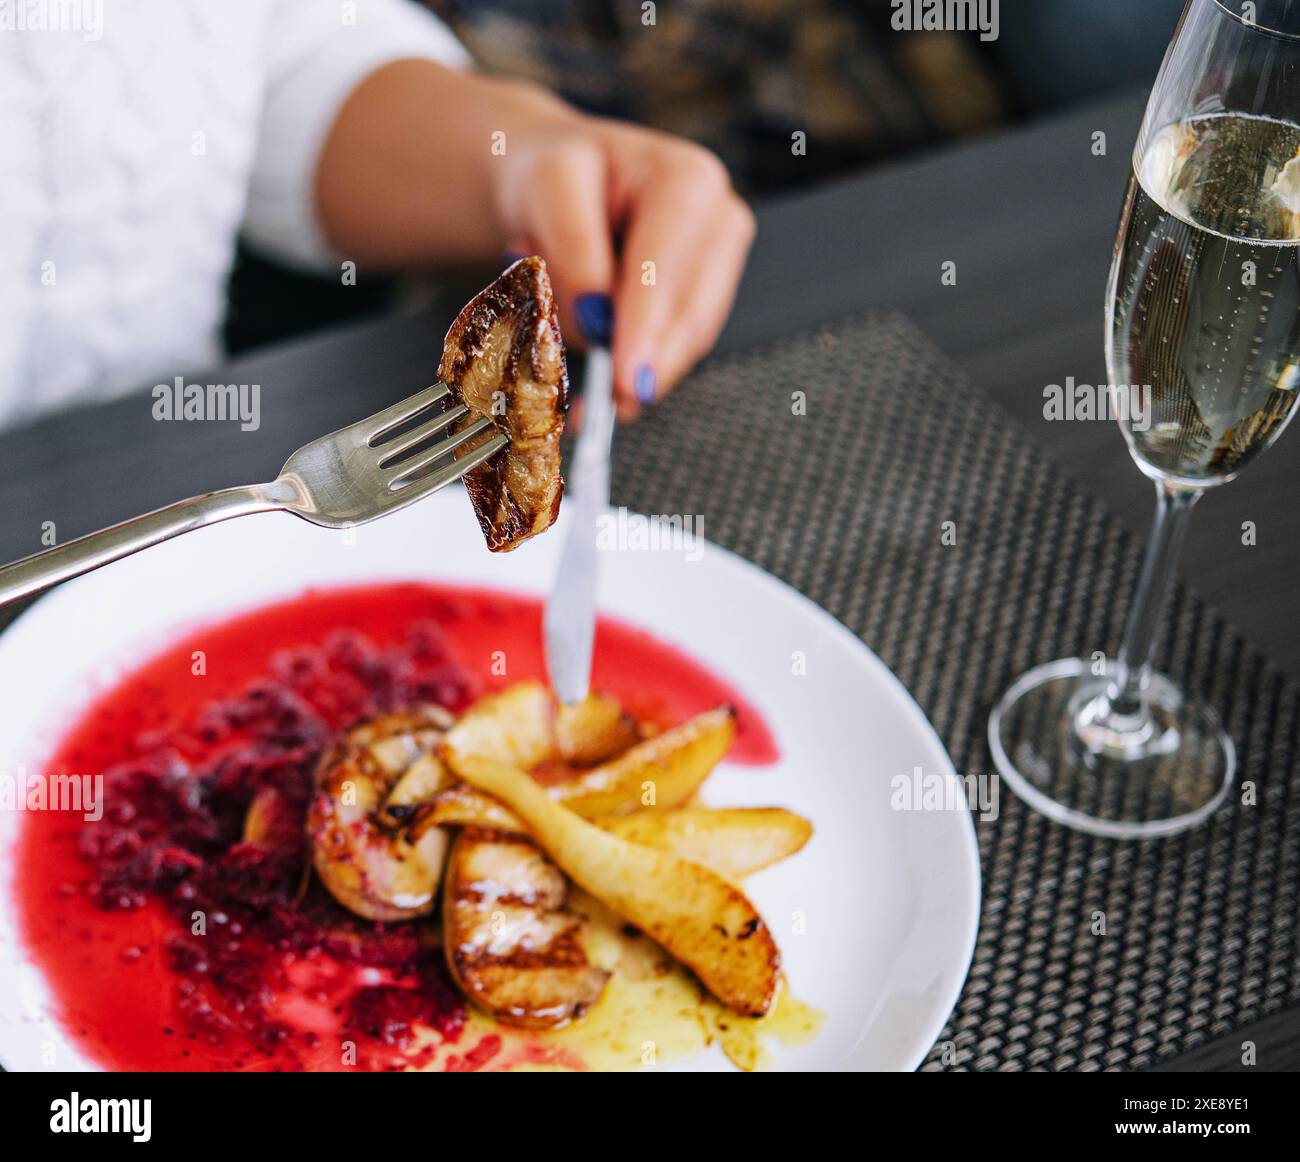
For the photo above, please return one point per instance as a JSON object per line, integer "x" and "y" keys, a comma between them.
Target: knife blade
{"x": 570, "y": 619}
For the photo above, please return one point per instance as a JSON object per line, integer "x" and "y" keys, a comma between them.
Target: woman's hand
{"x": 425, "y": 165}
{"x": 637, "y": 218}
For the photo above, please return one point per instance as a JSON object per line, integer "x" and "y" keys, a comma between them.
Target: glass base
{"x": 1156, "y": 773}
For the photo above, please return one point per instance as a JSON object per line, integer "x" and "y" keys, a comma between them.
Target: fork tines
{"x": 383, "y": 423}
{"x": 412, "y": 470}
{"x": 406, "y": 453}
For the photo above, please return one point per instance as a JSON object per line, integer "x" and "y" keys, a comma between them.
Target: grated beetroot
{"x": 173, "y": 831}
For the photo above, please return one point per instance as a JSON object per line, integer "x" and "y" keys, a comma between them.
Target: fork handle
{"x": 41, "y": 570}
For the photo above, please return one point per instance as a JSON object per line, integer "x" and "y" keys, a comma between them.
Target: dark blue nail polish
{"x": 510, "y": 258}
{"x": 643, "y": 384}
{"x": 595, "y": 314}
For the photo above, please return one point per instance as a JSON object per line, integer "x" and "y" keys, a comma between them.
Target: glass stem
{"x": 1155, "y": 583}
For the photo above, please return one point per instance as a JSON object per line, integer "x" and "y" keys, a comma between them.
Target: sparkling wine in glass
{"x": 1203, "y": 335}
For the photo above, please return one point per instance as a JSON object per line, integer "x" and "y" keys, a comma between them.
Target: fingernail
{"x": 595, "y": 312}
{"x": 510, "y": 258}
{"x": 643, "y": 384}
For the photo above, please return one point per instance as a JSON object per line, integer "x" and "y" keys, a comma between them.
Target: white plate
{"x": 889, "y": 899}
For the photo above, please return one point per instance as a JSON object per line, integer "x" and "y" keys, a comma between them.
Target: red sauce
{"x": 278, "y": 978}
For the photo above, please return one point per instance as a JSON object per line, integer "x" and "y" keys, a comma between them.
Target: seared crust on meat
{"x": 507, "y": 341}
{"x": 512, "y": 945}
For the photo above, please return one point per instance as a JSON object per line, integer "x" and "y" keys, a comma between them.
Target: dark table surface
{"x": 1028, "y": 218}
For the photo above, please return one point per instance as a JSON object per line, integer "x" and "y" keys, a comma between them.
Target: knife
{"x": 570, "y": 621}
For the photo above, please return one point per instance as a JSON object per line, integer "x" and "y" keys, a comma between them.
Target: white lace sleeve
{"x": 318, "y": 51}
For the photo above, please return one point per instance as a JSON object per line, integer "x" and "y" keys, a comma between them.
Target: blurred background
{"x": 748, "y": 74}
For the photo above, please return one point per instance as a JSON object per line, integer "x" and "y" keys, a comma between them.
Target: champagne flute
{"x": 1203, "y": 343}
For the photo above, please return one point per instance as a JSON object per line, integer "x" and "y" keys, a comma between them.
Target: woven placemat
{"x": 847, "y": 503}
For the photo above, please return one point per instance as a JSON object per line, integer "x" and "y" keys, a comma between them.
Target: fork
{"x": 367, "y": 470}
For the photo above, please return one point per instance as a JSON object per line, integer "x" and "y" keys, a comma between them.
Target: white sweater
{"x": 136, "y": 145}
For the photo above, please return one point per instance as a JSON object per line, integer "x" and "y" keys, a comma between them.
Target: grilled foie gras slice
{"x": 511, "y": 944}
{"x": 504, "y": 359}
{"x": 368, "y": 862}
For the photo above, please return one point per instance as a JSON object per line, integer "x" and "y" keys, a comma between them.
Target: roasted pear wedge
{"x": 703, "y": 920}
{"x": 515, "y": 726}
{"x": 503, "y": 358}
{"x": 418, "y": 784}
{"x": 522, "y": 727}
{"x": 460, "y": 805}
{"x": 593, "y": 730}
{"x": 659, "y": 773}
{"x": 733, "y": 841}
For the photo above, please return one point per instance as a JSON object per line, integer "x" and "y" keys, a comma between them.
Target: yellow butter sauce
{"x": 652, "y": 1013}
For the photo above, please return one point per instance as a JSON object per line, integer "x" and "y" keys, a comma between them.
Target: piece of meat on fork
{"x": 503, "y": 358}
